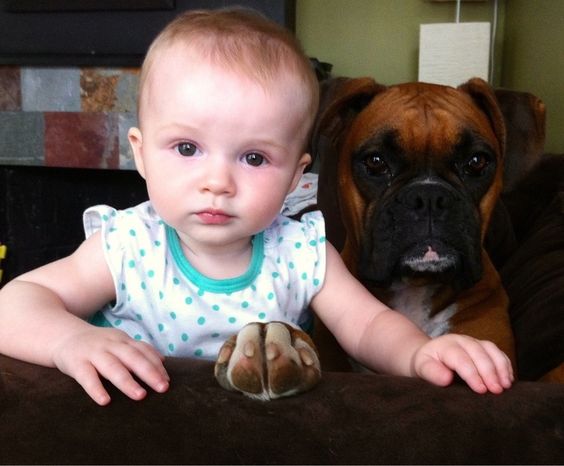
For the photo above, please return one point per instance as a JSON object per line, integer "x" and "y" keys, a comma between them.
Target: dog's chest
{"x": 415, "y": 304}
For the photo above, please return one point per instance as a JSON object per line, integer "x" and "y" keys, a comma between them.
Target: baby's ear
{"x": 136, "y": 141}
{"x": 304, "y": 161}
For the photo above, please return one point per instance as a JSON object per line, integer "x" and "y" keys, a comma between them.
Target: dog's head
{"x": 418, "y": 169}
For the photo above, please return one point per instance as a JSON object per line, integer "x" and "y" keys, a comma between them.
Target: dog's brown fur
{"x": 428, "y": 120}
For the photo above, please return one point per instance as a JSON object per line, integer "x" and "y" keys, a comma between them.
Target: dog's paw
{"x": 268, "y": 361}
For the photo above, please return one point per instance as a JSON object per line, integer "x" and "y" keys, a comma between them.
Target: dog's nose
{"x": 426, "y": 198}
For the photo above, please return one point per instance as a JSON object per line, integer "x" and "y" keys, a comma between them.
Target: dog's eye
{"x": 376, "y": 165}
{"x": 476, "y": 164}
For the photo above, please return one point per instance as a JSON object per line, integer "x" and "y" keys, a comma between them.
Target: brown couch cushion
{"x": 45, "y": 417}
{"x": 533, "y": 276}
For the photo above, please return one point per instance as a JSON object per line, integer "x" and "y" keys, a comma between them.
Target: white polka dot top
{"x": 162, "y": 299}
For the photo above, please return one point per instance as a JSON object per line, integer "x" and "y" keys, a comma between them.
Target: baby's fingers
{"x": 475, "y": 366}
{"x": 502, "y": 363}
{"x": 113, "y": 369}
{"x": 435, "y": 371}
{"x": 137, "y": 358}
{"x": 87, "y": 376}
{"x": 156, "y": 372}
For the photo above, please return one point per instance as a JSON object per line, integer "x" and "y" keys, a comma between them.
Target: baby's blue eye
{"x": 186, "y": 148}
{"x": 254, "y": 159}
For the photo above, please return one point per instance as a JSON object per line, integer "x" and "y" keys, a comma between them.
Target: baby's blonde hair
{"x": 242, "y": 40}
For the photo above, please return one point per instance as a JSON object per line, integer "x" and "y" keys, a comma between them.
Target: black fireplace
{"x": 100, "y": 32}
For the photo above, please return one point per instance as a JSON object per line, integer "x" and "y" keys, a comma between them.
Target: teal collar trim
{"x": 228, "y": 285}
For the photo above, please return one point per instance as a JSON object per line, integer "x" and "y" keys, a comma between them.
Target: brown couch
{"x": 349, "y": 418}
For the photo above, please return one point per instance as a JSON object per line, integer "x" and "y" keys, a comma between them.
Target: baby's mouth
{"x": 214, "y": 217}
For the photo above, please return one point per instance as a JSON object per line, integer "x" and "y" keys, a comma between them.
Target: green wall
{"x": 380, "y": 38}
{"x": 533, "y": 59}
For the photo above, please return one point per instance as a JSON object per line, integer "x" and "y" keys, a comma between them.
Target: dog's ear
{"x": 341, "y": 101}
{"x": 484, "y": 97}
{"x": 525, "y": 121}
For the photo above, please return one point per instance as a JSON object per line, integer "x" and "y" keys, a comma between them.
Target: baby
{"x": 226, "y": 103}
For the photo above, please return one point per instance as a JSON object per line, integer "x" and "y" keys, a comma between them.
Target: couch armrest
{"x": 348, "y": 418}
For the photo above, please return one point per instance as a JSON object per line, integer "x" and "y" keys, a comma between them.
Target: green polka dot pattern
{"x": 163, "y": 300}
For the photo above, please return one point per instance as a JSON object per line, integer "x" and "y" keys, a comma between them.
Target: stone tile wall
{"x": 67, "y": 117}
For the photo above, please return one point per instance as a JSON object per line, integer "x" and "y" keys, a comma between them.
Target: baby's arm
{"x": 42, "y": 321}
{"x": 385, "y": 341}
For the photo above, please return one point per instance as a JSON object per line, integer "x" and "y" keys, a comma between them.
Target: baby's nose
{"x": 218, "y": 178}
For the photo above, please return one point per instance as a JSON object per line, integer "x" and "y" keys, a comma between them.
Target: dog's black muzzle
{"x": 425, "y": 229}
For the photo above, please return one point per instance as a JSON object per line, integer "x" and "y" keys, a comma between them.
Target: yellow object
{"x": 3, "y": 250}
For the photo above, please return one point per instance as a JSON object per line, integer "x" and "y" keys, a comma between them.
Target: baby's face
{"x": 219, "y": 152}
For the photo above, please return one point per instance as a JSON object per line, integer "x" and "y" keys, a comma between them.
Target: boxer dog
{"x": 411, "y": 174}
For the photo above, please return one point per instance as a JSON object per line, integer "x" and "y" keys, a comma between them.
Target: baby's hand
{"x": 481, "y": 364}
{"x": 112, "y": 354}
